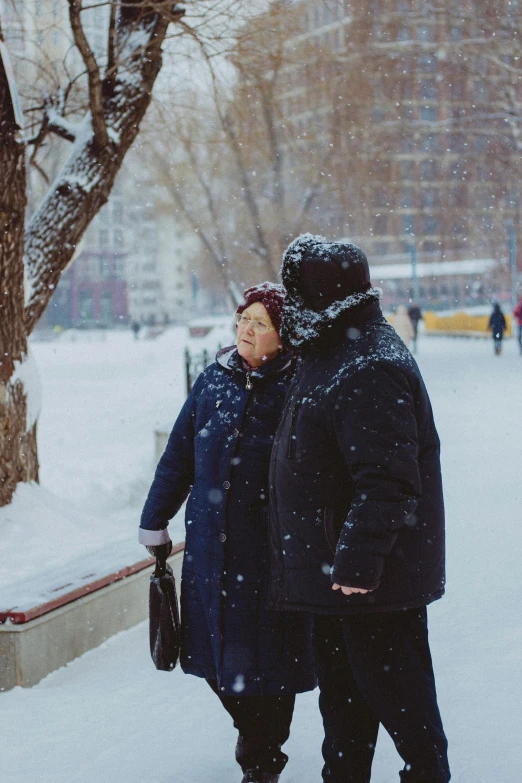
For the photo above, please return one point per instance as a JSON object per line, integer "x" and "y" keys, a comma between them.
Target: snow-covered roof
{"x": 472, "y": 266}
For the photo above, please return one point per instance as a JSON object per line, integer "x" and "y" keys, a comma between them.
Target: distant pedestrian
{"x": 497, "y": 324}
{"x": 415, "y": 314}
{"x": 518, "y": 318}
{"x": 403, "y": 326}
{"x": 136, "y": 326}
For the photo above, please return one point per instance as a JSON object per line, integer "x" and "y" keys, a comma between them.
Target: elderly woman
{"x": 253, "y": 658}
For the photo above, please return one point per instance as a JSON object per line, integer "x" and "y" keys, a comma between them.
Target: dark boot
{"x": 253, "y": 776}
{"x": 259, "y": 760}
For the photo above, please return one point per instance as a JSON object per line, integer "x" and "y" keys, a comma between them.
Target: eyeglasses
{"x": 259, "y": 327}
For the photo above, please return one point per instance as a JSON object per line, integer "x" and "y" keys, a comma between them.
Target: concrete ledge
{"x": 30, "y": 651}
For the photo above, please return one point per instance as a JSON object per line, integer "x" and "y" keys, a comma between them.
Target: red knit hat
{"x": 271, "y": 295}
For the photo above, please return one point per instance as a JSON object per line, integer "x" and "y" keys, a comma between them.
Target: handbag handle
{"x": 160, "y": 567}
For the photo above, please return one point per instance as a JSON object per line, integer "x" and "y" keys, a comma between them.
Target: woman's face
{"x": 255, "y": 348}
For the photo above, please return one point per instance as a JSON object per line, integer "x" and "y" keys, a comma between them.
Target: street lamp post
{"x": 513, "y": 263}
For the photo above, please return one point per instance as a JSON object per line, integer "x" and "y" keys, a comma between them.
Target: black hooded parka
{"x": 355, "y": 480}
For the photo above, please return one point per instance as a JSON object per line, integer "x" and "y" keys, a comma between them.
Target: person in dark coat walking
{"x": 497, "y": 325}
{"x": 415, "y": 314}
{"x": 254, "y": 659}
{"x": 357, "y": 516}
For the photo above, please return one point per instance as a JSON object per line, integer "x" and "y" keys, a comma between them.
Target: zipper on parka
{"x": 292, "y": 440}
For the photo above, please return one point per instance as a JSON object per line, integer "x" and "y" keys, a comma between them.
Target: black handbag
{"x": 164, "y": 630}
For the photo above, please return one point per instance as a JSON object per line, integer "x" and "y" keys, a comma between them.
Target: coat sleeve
{"x": 173, "y": 478}
{"x": 377, "y": 435}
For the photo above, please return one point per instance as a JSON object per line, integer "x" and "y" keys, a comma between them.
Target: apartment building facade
{"x": 410, "y": 102}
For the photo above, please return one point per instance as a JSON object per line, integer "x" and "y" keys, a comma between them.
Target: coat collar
{"x": 230, "y": 360}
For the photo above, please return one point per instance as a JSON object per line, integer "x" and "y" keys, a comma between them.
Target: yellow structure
{"x": 461, "y": 324}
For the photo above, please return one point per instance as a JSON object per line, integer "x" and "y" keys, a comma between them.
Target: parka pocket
{"x": 329, "y": 529}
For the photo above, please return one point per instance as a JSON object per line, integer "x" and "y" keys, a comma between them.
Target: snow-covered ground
{"x": 104, "y": 395}
{"x": 109, "y": 716}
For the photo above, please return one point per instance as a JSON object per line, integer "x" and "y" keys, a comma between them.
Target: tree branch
{"x": 101, "y": 136}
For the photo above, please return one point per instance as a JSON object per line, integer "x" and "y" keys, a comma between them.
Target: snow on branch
{"x": 93, "y": 74}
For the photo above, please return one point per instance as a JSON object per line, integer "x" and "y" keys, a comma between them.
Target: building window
{"x": 380, "y": 198}
{"x": 429, "y": 170}
{"x": 456, "y": 34}
{"x": 430, "y": 247}
{"x": 479, "y": 90}
{"x": 480, "y": 143}
{"x": 107, "y": 312}
{"x": 407, "y": 169}
{"x": 407, "y": 198}
{"x": 430, "y": 197}
{"x": 428, "y": 90}
{"x": 426, "y": 33}
{"x": 427, "y": 64}
{"x": 105, "y": 269}
{"x": 457, "y": 142}
{"x": 86, "y": 311}
{"x": 428, "y": 113}
{"x": 380, "y": 225}
{"x": 429, "y": 143}
{"x": 459, "y": 170}
{"x": 431, "y": 224}
{"x": 403, "y": 34}
{"x": 457, "y": 196}
{"x": 408, "y": 224}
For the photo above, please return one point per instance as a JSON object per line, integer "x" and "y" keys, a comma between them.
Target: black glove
{"x": 160, "y": 551}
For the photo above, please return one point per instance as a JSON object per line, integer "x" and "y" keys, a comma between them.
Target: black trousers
{"x": 373, "y": 669}
{"x": 263, "y": 723}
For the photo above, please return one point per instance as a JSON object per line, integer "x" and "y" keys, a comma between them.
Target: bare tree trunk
{"x": 18, "y": 455}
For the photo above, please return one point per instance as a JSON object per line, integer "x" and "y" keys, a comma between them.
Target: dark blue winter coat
{"x": 497, "y": 323}
{"x": 219, "y": 451}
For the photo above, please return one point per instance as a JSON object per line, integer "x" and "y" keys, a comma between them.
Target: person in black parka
{"x": 218, "y": 453}
{"x": 497, "y": 325}
{"x": 357, "y": 515}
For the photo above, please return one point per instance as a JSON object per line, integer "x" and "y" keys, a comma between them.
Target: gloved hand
{"x": 161, "y": 551}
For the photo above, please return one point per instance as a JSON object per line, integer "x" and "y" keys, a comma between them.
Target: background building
{"x": 412, "y": 105}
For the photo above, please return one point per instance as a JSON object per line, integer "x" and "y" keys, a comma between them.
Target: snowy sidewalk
{"x": 109, "y": 717}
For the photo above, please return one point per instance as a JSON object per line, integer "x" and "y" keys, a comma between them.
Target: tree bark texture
{"x": 18, "y": 454}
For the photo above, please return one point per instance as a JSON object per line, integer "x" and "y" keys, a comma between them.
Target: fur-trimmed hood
{"x": 325, "y": 282}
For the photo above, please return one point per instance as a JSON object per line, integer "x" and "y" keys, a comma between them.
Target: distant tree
{"x": 231, "y": 163}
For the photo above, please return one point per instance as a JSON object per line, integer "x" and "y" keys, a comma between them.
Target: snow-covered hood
{"x": 302, "y": 324}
